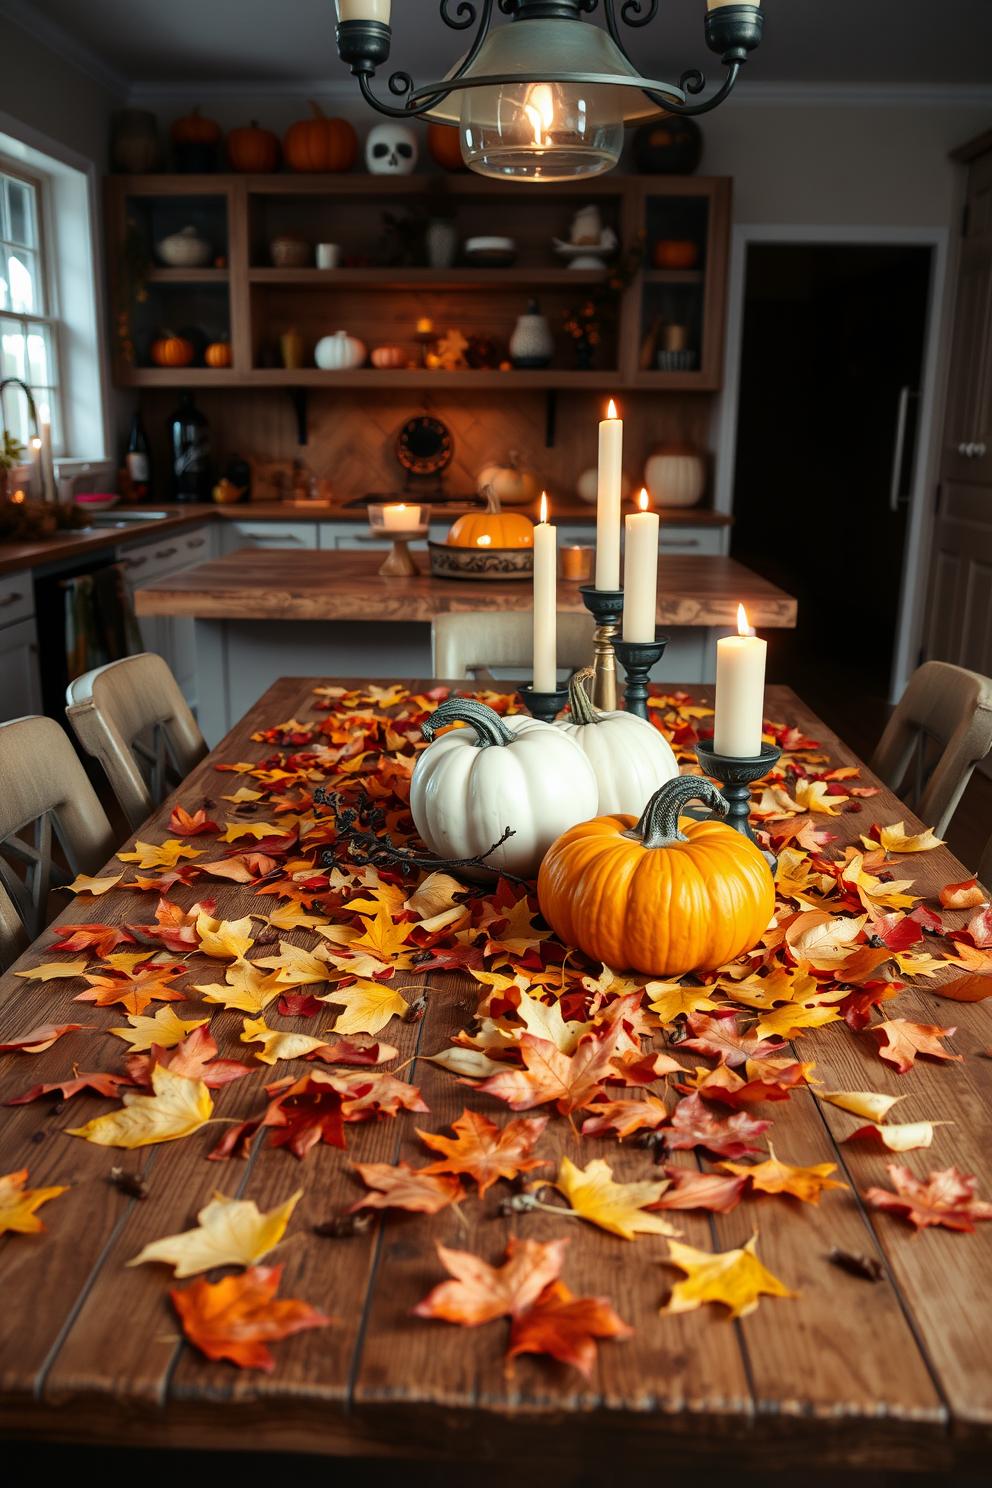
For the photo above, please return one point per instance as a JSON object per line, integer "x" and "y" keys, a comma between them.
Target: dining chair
{"x": 478, "y": 641}
{"x": 42, "y": 784}
{"x": 133, "y": 718}
{"x": 985, "y": 868}
{"x": 951, "y": 708}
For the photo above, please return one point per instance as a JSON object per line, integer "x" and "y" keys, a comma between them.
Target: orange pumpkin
{"x": 320, "y": 144}
{"x": 675, "y": 253}
{"x": 444, "y": 143}
{"x": 388, "y": 357}
{"x": 172, "y": 351}
{"x": 663, "y": 895}
{"x": 192, "y": 130}
{"x": 218, "y": 354}
{"x": 253, "y": 150}
{"x": 492, "y": 528}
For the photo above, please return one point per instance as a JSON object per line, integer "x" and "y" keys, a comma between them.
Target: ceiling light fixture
{"x": 546, "y": 98}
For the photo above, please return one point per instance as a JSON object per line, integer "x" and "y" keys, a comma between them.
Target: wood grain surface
{"x": 254, "y": 585}
{"x": 893, "y": 1375}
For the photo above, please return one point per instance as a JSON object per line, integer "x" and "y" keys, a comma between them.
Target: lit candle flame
{"x": 540, "y": 111}
{"x": 611, "y": 412}
{"x": 544, "y": 506}
{"x": 642, "y": 499}
{"x": 744, "y": 628}
{"x": 35, "y": 442}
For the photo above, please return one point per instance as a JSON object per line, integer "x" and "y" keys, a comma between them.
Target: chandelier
{"x": 546, "y": 98}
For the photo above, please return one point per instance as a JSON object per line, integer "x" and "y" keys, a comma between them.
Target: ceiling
{"x": 287, "y": 41}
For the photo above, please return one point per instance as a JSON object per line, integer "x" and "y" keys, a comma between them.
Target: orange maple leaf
{"x": 693, "y": 1190}
{"x": 99, "y": 938}
{"x": 572, "y": 1081}
{"x": 185, "y": 825}
{"x": 235, "y": 1318}
{"x": 625, "y": 1117}
{"x": 776, "y": 1177}
{"x": 134, "y": 990}
{"x": 403, "y": 1187}
{"x": 903, "y": 1041}
{"x": 486, "y": 1151}
{"x": 962, "y": 895}
{"x": 566, "y": 1327}
{"x": 481, "y": 1292}
{"x": 947, "y": 1198}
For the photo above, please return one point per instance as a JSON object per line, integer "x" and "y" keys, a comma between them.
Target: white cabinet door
{"x": 356, "y": 537}
{"x": 20, "y": 680}
{"x": 692, "y": 540}
{"x": 268, "y": 535}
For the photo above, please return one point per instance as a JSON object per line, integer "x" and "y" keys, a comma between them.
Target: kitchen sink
{"x": 125, "y": 518}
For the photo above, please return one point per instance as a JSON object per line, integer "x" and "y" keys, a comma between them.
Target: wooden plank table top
{"x": 278, "y": 585}
{"x": 892, "y": 1375}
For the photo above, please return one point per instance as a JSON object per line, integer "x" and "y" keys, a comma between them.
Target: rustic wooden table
{"x": 896, "y": 1374}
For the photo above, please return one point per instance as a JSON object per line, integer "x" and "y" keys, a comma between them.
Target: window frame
{"x": 49, "y": 287}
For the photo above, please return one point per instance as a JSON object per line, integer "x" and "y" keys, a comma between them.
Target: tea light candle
{"x": 608, "y": 501}
{"x": 399, "y": 518}
{"x": 576, "y": 564}
{"x": 740, "y": 692}
{"x": 545, "y": 600}
{"x": 640, "y": 573}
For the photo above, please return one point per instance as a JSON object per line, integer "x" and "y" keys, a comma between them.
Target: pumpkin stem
{"x": 318, "y": 112}
{"x": 489, "y": 727}
{"x": 659, "y": 823}
{"x": 579, "y": 700}
{"x": 493, "y": 505}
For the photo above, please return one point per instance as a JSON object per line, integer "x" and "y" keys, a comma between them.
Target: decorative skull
{"x": 391, "y": 150}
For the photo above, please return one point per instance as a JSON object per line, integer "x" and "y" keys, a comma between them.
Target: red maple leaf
{"x": 693, "y": 1124}
{"x": 98, "y": 938}
{"x": 184, "y": 825}
{"x": 100, "y": 1083}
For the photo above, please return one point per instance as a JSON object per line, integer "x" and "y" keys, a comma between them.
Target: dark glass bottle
{"x": 189, "y": 451}
{"x": 138, "y": 461}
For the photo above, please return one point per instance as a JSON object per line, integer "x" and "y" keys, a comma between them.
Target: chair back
{"x": 42, "y": 784}
{"x": 133, "y": 718}
{"x": 985, "y": 869}
{"x": 479, "y": 641}
{"x": 952, "y": 707}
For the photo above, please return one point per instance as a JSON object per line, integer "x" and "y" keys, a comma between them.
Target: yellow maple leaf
{"x": 904, "y": 1136}
{"x": 243, "y": 794}
{"x": 294, "y": 966}
{"x": 895, "y": 840}
{"x": 546, "y": 1022}
{"x": 617, "y": 1207}
{"x": 873, "y": 893}
{"x": 53, "y": 971}
{"x": 822, "y": 940}
{"x": 870, "y": 1104}
{"x": 291, "y": 916}
{"x": 388, "y": 896}
{"x": 670, "y": 999}
{"x": 254, "y": 829}
{"x": 734, "y": 1277}
{"x": 247, "y": 989}
{"x": 223, "y": 938}
{"x": 82, "y": 884}
{"x": 18, "y": 1204}
{"x": 384, "y": 697}
{"x": 791, "y": 1017}
{"x": 166, "y": 855}
{"x": 519, "y": 932}
{"x": 277, "y": 1045}
{"x": 178, "y": 1108}
{"x": 165, "y": 1029}
{"x": 921, "y": 963}
{"x": 763, "y": 992}
{"x": 775, "y": 804}
{"x": 385, "y": 940}
{"x": 369, "y": 1006}
{"x": 773, "y": 1176}
{"x": 230, "y": 1232}
{"x": 811, "y": 795}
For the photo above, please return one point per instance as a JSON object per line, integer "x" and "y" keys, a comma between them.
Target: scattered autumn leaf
{"x": 902, "y": 1041}
{"x": 695, "y": 1125}
{"x": 895, "y": 839}
{"x": 277, "y": 1045}
{"x": 235, "y": 1318}
{"x": 82, "y": 884}
{"x": 690, "y": 1189}
{"x": 224, "y": 938}
{"x": 870, "y": 1104}
{"x": 718, "y": 1037}
{"x": 185, "y": 825}
{"x": 39, "y": 1039}
{"x": 52, "y": 971}
{"x": 18, "y": 1204}
{"x": 962, "y": 895}
{"x": 178, "y": 1108}
{"x": 484, "y": 1150}
{"x": 965, "y": 989}
{"x": 100, "y": 1084}
{"x": 734, "y": 1277}
{"x": 98, "y": 938}
{"x": 368, "y": 1007}
{"x": 625, "y": 1117}
{"x": 480, "y": 1292}
{"x": 164, "y": 855}
{"x": 617, "y": 1207}
{"x": 904, "y": 1136}
{"x": 195, "y": 1057}
{"x": 947, "y": 1198}
{"x": 403, "y": 1187}
{"x": 229, "y": 1232}
{"x": 566, "y": 1327}
{"x": 165, "y": 1029}
{"x": 776, "y": 1177}
{"x": 246, "y": 989}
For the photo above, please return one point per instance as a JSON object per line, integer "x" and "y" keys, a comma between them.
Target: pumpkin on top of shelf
{"x": 512, "y": 486}
{"x": 493, "y": 528}
{"x": 192, "y": 129}
{"x": 172, "y": 351}
{"x": 218, "y": 354}
{"x": 675, "y": 253}
{"x": 388, "y": 358}
{"x": 444, "y": 141}
{"x": 320, "y": 143}
{"x": 252, "y": 150}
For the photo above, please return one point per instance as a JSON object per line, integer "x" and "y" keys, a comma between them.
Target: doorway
{"x": 832, "y": 353}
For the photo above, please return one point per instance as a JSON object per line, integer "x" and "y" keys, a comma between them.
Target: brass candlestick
{"x": 606, "y": 606}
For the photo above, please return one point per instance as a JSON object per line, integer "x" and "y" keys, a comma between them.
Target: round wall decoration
{"x": 424, "y": 445}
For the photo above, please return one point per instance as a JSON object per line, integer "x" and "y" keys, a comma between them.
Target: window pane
{"x": 20, "y": 207}
{"x": 21, "y": 281}
{"x": 38, "y": 359}
{"x": 4, "y": 274}
{"x": 12, "y": 349}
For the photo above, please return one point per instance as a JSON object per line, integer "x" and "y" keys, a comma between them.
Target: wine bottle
{"x": 189, "y": 449}
{"x": 138, "y": 461}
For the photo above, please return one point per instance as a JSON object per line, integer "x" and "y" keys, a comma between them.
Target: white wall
{"x": 43, "y": 90}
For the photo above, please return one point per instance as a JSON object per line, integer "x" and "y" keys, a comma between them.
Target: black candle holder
{"x": 606, "y": 605}
{"x": 736, "y": 776}
{"x": 637, "y": 658}
{"x": 543, "y": 705}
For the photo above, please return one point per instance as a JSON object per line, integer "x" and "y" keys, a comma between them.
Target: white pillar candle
{"x": 47, "y": 464}
{"x": 608, "y": 501}
{"x": 740, "y": 692}
{"x": 400, "y": 518}
{"x": 35, "y": 485}
{"x": 640, "y": 573}
{"x": 545, "y": 599}
{"x": 370, "y": 10}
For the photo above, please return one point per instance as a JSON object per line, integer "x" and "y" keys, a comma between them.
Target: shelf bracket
{"x": 550, "y": 418}
{"x": 298, "y": 397}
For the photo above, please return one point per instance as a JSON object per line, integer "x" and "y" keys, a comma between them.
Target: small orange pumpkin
{"x": 253, "y": 150}
{"x": 320, "y": 144}
{"x": 192, "y": 130}
{"x": 387, "y": 358}
{"x": 218, "y": 354}
{"x": 675, "y": 253}
{"x": 664, "y": 895}
{"x": 492, "y": 528}
{"x": 444, "y": 143}
{"x": 172, "y": 351}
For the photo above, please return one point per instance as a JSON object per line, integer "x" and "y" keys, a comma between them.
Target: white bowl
{"x": 97, "y": 501}
{"x": 497, "y": 253}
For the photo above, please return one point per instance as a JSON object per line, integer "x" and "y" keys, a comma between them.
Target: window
{"x": 27, "y": 328}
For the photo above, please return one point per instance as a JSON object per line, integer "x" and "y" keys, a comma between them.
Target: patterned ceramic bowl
{"x": 481, "y": 563}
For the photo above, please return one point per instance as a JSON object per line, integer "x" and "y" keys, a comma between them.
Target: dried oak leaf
{"x": 903, "y": 1041}
{"x": 235, "y": 1318}
{"x": 229, "y": 1232}
{"x": 776, "y": 1177}
{"x": 566, "y": 1327}
{"x": 693, "y": 1190}
{"x": 480, "y": 1292}
{"x": 177, "y": 1108}
{"x": 38, "y": 1039}
{"x": 99, "y": 1083}
{"x": 486, "y": 1151}
{"x": 403, "y": 1187}
{"x": 694, "y": 1125}
{"x": 185, "y": 825}
{"x": 718, "y": 1038}
{"x": 734, "y": 1277}
{"x": 18, "y": 1204}
{"x": 947, "y": 1198}
{"x": 95, "y": 937}
{"x": 617, "y": 1207}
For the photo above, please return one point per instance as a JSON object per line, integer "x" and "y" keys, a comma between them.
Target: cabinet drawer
{"x": 16, "y": 597}
{"x": 197, "y": 546}
{"x": 269, "y": 535}
{"x": 20, "y": 682}
{"x": 707, "y": 540}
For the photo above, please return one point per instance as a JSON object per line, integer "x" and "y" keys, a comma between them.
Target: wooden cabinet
{"x": 170, "y": 637}
{"x": 20, "y": 683}
{"x": 254, "y": 303}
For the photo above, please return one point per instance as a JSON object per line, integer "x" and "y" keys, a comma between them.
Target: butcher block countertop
{"x": 276, "y": 585}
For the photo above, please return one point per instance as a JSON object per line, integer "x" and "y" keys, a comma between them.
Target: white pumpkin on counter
{"x": 513, "y": 486}
{"x": 629, "y": 757}
{"x": 470, "y": 784}
{"x": 675, "y": 475}
{"x": 339, "y": 353}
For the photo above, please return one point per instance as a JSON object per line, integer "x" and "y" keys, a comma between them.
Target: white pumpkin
{"x": 339, "y": 353}
{"x": 675, "y": 475}
{"x": 513, "y": 486}
{"x": 630, "y": 757}
{"x": 470, "y": 784}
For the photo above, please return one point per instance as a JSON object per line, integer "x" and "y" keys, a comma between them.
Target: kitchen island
{"x": 260, "y": 615}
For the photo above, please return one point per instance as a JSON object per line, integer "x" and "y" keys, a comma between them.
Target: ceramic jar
{"x": 184, "y": 250}
{"x": 441, "y": 242}
{"x": 532, "y": 344}
{"x": 339, "y": 353}
{"x": 290, "y": 252}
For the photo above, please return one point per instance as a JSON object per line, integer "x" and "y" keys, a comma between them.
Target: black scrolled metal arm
{"x": 630, "y": 13}
{"x": 401, "y": 83}
{"x": 733, "y": 71}
{"x": 466, "y": 9}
